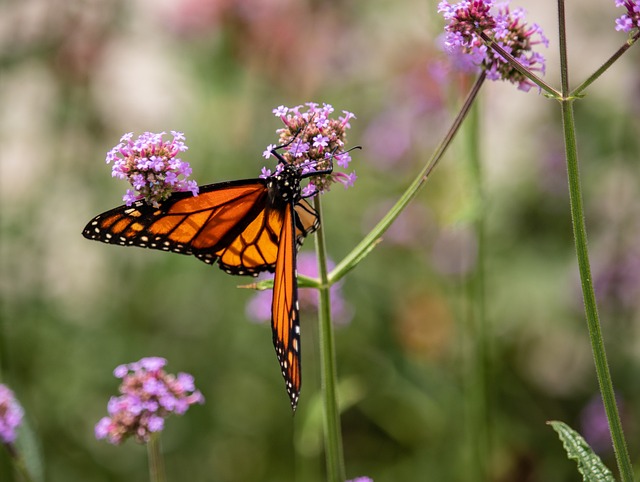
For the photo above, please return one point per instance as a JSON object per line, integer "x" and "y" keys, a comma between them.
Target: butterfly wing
{"x": 235, "y": 224}
{"x": 228, "y": 222}
{"x": 285, "y": 323}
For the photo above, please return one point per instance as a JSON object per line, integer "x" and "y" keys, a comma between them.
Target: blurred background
{"x": 76, "y": 75}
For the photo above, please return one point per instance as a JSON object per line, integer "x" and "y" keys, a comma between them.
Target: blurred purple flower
{"x": 390, "y": 136}
{"x": 317, "y": 140}
{"x": 617, "y": 282}
{"x": 469, "y": 18}
{"x": 361, "y": 479}
{"x": 455, "y": 251}
{"x": 11, "y": 414}
{"x": 414, "y": 226}
{"x": 148, "y": 396}
{"x": 594, "y": 424}
{"x": 150, "y": 165}
{"x": 259, "y": 307}
{"x": 630, "y": 20}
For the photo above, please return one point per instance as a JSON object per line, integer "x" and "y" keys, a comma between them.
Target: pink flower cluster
{"x": 149, "y": 396}
{"x": 631, "y": 19}
{"x": 314, "y": 139}
{"x": 151, "y": 166}
{"x": 11, "y": 414}
{"x": 466, "y": 20}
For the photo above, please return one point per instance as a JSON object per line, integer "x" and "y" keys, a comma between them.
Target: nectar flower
{"x": 259, "y": 307}
{"x": 11, "y": 414}
{"x": 151, "y": 166}
{"x": 631, "y": 19}
{"x": 468, "y": 19}
{"x": 313, "y": 141}
{"x": 148, "y": 396}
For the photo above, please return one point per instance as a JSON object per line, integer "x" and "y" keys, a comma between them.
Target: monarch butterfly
{"x": 246, "y": 226}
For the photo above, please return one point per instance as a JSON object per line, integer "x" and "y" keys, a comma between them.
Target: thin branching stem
{"x": 518, "y": 66}
{"x": 371, "y": 239}
{"x": 626, "y": 46}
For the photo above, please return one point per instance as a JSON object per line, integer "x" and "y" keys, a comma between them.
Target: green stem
{"x": 477, "y": 322}
{"x": 591, "y": 310}
{"x": 329, "y": 378}
{"x": 19, "y": 464}
{"x": 518, "y": 66}
{"x": 371, "y": 239}
{"x": 156, "y": 461}
{"x": 582, "y": 254}
{"x": 626, "y": 46}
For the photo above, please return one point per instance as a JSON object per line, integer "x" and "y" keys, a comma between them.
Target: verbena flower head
{"x": 467, "y": 19}
{"x": 148, "y": 396}
{"x": 11, "y": 414}
{"x": 152, "y": 166}
{"x": 315, "y": 140}
{"x": 630, "y": 20}
{"x": 259, "y": 307}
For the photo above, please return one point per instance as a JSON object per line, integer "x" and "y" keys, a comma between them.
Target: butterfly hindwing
{"x": 284, "y": 309}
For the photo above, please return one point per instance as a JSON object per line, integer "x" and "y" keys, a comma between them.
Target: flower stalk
{"x": 476, "y": 326}
{"x": 369, "y": 242}
{"x": 156, "y": 460}
{"x": 328, "y": 372}
{"x": 518, "y": 66}
{"x": 604, "y": 67}
{"x": 582, "y": 254}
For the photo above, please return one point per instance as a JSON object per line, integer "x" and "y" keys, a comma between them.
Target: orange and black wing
{"x": 229, "y": 222}
{"x": 284, "y": 308}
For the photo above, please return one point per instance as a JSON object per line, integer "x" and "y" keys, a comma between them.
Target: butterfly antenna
{"x": 295, "y": 137}
{"x": 329, "y": 170}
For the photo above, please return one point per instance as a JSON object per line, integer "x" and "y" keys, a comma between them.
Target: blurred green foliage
{"x": 77, "y": 75}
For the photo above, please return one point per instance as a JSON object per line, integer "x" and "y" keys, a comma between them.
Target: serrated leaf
{"x": 589, "y": 464}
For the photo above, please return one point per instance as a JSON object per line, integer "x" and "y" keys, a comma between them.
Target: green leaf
{"x": 589, "y": 464}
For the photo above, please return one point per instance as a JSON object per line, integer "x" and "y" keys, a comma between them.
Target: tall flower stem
{"x": 156, "y": 461}
{"x": 477, "y": 330}
{"x": 372, "y": 238}
{"x": 329, "y": 378}
{"x": 19, "y": 465}
{"x": 582, "y": 253}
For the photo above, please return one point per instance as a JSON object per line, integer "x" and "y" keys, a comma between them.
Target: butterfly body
{"x": 246, "y": 226}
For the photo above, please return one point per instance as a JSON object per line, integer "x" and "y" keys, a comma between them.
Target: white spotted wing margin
{"x": 285, "y": 321}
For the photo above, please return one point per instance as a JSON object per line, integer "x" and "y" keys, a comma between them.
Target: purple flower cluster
{"x": 595, "y": 426}
{"x": 631, "y": 19}
{"x": 11, "y": 414}
{"x": 149, "y": 395}
{"x": 315, "y": 140}
{"x": 259, "y": 308}
{"x": 150, "y": 165}
{"x": 361, "y": 479}
{"x": 469, "y": 18}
